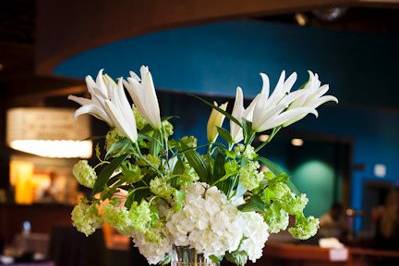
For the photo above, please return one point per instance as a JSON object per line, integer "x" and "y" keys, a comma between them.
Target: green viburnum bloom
{"x": 276, "y": 218}
{"x": 118, "y": 218}
{"x": 249, "y": 175}
{"x": 161, "y": 187}
{"x": 276, "y": 191}
{"x": 85, "y": 218}
{"x": 153, "y": 160}
{"x": 84, "y": 173}
{"x": 167, "y": 128}
{"x": 188, "y": 177}
{"x": 231, "y": 167}
{"x": 189, "y": 141}
{"x": 247, "y": 153}
{"x": 141, "y": 216}
{"x": 296, "y": 204}
{"x": 305, "y": 227}
{"x": 140, "y": 120}
{"x": 112, "y": 137}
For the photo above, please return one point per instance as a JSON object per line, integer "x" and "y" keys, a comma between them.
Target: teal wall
{"x": 316, "y": 179}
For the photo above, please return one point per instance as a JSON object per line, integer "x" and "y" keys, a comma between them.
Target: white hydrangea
{"x": 208, "y": 222}
{"x": 255, "y": 231}
{"x": 154, "y": 252}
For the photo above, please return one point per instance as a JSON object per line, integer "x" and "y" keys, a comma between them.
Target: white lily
{"x": 311, "y": 96}
{"x": 144, "y": 97}
{"x": 99, "y": 93}
{"x": 240, "y": 113}
{"x": 215, "y": 120}
{"x": 108, "y": 103}
{"x": 271, "y": 112}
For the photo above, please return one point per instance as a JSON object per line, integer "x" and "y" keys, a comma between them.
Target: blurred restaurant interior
{"x": 346, "y": 161}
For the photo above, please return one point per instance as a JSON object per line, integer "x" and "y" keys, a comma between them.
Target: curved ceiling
{"x": 66, "y": 27}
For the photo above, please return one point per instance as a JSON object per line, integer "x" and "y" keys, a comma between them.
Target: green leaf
{"x": 274, "y": 168}
{"x": 239, "y": 258}
{"x": 216, "y": 259}
{"x": 228, "y": 115}
{"x": 218, "y": 167}
{"x": 119, "y": 148}
{"x": 106, "y": 172}
{"x": 225, "y": 135}
{"x": 254, "y": 204}
{"x": 247, "y": 131}
{"x": 179, "y": 168}
{"x": 137, "y": 195}
{"x": 196, "y": 162}
{"x": 155, "y": 143}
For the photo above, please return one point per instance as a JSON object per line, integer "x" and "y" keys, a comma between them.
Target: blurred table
{"x": 306, "y": 255}
{"x": 33, "y": 242}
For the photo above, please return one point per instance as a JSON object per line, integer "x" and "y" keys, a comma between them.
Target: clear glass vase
{"x": 185, "y": 256}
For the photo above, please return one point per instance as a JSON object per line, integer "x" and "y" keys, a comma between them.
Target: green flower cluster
{"x": 305, "y": 227}
{"x": 118, "y": 218}
{"x": 250, "y": 176}
{"x": 167, "y": 128}
{"x": 85, "y": 218}
{"x": 84, "y": 173}
{"x": 282, "y": 202}
{"x": 140, "y": 218}
{"x": 162, "y": 188}
{"x": 140, "y": 120}
{"x": 112, "y": 137}
{"x": 189, "y": 141}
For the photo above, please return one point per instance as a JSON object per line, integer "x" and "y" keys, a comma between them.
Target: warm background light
{"x": 49, "y": 132}
{"x": 297, "y": 142}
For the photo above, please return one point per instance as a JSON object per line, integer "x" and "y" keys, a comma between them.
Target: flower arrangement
{"x": 221, "y": 199}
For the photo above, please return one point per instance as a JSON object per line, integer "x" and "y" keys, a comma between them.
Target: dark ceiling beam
{"x": 67, "y": 27}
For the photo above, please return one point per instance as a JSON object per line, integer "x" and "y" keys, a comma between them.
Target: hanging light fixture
{"x": 49, "y": 132}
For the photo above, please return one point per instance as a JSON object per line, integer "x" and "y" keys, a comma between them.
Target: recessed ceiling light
{"x": 297, "y": 142}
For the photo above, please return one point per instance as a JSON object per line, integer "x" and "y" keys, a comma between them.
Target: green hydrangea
{"x": 85, "y": 218}
{"x": 189, "y": 141}
{"x": 167, "y": 128}
{"x": 141, "y": 216}
{"x": 305, "y": 227}
{"x": 112, "y": 137}
{"x": 84, "y": 173}
{"x": 249, "y": 175}
{"x": 276, "y": 218}
{"x": 140, "y": 120}
{"x": 161, "y": 187}
{"x": 118, "y": 218}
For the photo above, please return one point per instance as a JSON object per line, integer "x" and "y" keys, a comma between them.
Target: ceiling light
{"x": 297, "y": 142}
{"x": 49, "y": 132}
{"x": 263, "y": 137}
